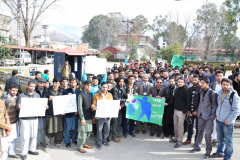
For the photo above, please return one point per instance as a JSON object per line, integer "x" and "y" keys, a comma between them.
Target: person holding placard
{"x": 103, "y": 94}
{"x": 10, "y": 103}
{"x": 41, "y": 90}
{"x": 70, "y": 119}
{"x": 143, "y": 89}
{"x": 54, "y": 124}
{"x": 85, "y": 117}
{"x": 28, "y": 125}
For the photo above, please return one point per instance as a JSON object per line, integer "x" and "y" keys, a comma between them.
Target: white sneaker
{"x": 59, "y": 146}
{"x": 46, "y": 150}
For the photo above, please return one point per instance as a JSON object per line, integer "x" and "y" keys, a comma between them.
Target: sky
{"x": 74, "y": 14}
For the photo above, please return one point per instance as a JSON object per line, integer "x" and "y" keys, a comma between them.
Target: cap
{"x": 42, "y": 80}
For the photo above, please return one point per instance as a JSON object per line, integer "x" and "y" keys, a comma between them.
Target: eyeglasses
{"x": 159, "y": 82}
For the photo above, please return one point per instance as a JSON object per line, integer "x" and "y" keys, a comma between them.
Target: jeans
{"x": 124, "y": 122}
{"x": 116, "y": 125}
{"x": 190, "y": 128}
{"x": 102, "y": 123}
{"x": 225, "y": 139}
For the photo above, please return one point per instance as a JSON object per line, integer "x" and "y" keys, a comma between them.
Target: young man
{"x": 66, "y": 69}
{"x": 41, "y": 90}
{"x": 236, "y": 83}
{"x": 156, "y": 75}
{"x": 111, "y": 78}
{"x": 222, "y": 69}
{"x": 116, "y": 75}
{"x": 227, "y": 111}
{"x": 38, "y": 74}
{"x": 216, "y": 86}
{"x": 132, "y": 90}
{"x": 71, "y": 119}
{"x": 13, "y": 80}
{"x": 181, "y": 101}
{"x": 158, "y": 92}
{"x": 194, "y": 91}
{"x": 205, "y": 114}
{"x": 85, "y": 117}
{"x": 119, "y": 93}
{"x": 185, "y": 74}
{"x": 53, "y": 124}
{"x": 5, "y": 127}
{"x": 206, "y": 72}
{"x": 143, "y": 89}
{"x": 137, "y": 79}
{"x": 168, "y": 127}
{"x": 103, "y": 94}
{"x": 200, "y": 74}
{"x": 10, "y": 103}
{"x": 28, "y": 125}
{"x": 64, "y": 83}
{"x": 121, "y": 73}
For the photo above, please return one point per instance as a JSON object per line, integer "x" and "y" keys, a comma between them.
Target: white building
{"x": 41, "y": 38}
{"x": 4, "y": 25}
{"x": 145, "y": 45}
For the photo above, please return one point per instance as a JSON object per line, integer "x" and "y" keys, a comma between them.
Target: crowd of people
{"x": 197, "y": 96}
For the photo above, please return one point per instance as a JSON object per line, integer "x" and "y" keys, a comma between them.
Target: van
{"x": 26, "y": 58}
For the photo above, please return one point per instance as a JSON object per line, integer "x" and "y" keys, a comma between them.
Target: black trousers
{"x": 168, "y": 129}
{"x": 156, "y": 127}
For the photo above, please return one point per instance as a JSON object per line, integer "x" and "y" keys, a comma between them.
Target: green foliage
{"x": 105, "y": 54}
{"x": 3, "y": 49}
{"x": 132, "y": 49}
{"x": 167, "y": 53}
{"x": 143, "y": 58}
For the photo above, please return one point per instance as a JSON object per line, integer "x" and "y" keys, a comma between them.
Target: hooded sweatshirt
{"x": 25, "y": 94}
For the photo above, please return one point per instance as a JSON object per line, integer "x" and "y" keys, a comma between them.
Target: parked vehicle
{"x": 26, "y": 58}
{"x": 43, "y": 60}
{"x": 7, "y": 61}
{"x": 51, "y": 57}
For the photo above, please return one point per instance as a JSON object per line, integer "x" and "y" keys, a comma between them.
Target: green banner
{"x": 177, "y": 61}
{"x": 146, "y": 109}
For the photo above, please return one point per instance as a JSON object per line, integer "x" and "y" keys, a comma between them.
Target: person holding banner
{"x": 70, "y": 119}
{"x": 132, "y": 90}
{"x": 54, "y": 124}
{"x": 143, "y": 89}
{"x": 10, "y": 103}
{"x": 157, "y": 91}
{"x": 85, "y": 117}
{"x": 28, "y": 125}
{"x": 181, "y": 101}
{"x": 103, "y": 94}
{"x": 41, "y": 90}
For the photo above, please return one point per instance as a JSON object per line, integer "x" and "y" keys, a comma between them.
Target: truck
{"x": 26, "y": 58}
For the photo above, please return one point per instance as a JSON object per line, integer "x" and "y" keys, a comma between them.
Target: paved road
{"x": 142, "y": 147}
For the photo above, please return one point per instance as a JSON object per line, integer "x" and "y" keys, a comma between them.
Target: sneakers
{"x": 106, "y": 144}
{"x": 187, "y": 142}
{"x": 207, "y": 155}
{"x": 59, "y": 146}
{"x": 177, "y": 145}
{"x": 67, "y": 145}
{"x": 75, "y": 142}
{"x": 46, "y": 150}
{"x": 99, "y": 146}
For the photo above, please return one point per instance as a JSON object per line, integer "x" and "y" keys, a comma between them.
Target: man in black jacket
{"x": 194, "y": 91}
{"x": 13, "y": 80}
{"x": 41, "y": 90}
{"x": 236, "y": 81}
{"x": 181, "y": 101}
{"x": 119, "y": 93}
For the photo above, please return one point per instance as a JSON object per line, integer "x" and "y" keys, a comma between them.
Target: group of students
{"x": 189, "y": 93}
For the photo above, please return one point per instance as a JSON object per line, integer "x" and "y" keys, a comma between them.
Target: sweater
{"x": 181, "y": 100}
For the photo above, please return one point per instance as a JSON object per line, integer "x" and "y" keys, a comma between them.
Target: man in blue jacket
{"x": 70, "y": 120}
{"x": 226, "y": 114}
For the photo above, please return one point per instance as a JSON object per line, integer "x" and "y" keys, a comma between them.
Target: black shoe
{"x": 194, "y": 150}
{"x": 125, "y": 135}
{"x": 107, "y": 139}
{"x": 173, "y": 141}
{"x": 75, "y": 142}
{"x": 132, "y": 134}
{"x": 24, "y": 157}
{"x": 207, "y": 155}
{"x": 33, "y": 153}
{"x": 177, "y": 145}
{"x": 68, "y": 145}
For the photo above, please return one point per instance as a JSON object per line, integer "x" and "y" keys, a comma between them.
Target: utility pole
{"x": 20, "y": 3}
{"x": 45, "y": 41}
{"x": 127, "y": 33}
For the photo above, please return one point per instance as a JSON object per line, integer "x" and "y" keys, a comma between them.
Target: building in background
{"x": 4, "y": 25}
{"x": 116, "y": 52}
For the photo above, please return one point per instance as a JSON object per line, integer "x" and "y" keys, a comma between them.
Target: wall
{"x": 23, "y": 80}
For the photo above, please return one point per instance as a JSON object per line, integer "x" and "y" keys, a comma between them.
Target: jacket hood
{"x": 34, "y": 95}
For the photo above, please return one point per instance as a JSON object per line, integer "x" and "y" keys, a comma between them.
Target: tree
{"x": 140, "y": 25}
{"x": 4, "y": 50}
{"x": 167, "y": 53}
{"x": 29, "y": 14}
{"x": 105, "y": 54}
{"x": 132, "y": 48}
{"x": 207, "y": 27}
{"x": 143, "y": 58}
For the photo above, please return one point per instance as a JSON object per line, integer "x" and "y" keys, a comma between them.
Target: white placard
{"x": 95, "y": 65}
{"x": 64, "y": 104}
{"x": 33, "y": 107}
{"x": 107, "y": 108}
